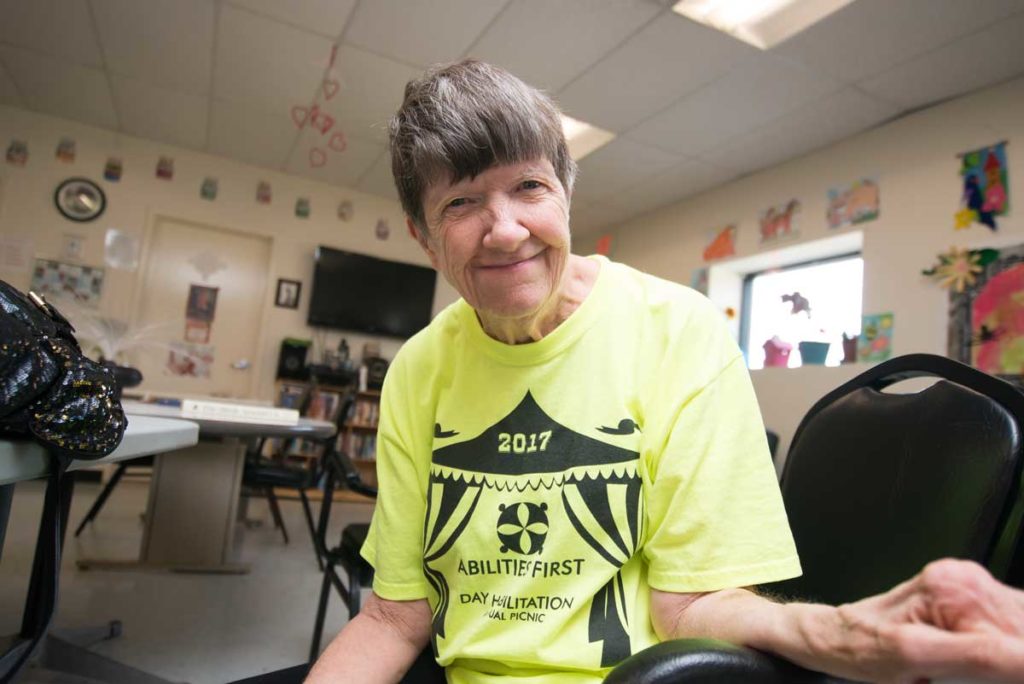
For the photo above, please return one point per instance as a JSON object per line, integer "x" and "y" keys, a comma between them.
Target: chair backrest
{"x": 876, "y": 485}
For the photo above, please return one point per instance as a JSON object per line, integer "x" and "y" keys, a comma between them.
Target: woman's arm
{"x": 378, "y": 646}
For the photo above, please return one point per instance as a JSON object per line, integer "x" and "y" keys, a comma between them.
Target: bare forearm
{"x": 377, "y": 646}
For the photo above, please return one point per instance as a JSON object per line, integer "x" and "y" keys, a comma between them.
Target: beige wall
{"x": 915, "y": 162}
{"x": 26, "y": 209}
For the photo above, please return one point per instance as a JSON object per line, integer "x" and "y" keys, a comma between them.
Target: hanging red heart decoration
{"x": 317, "y": 157}
{"x": 299, "y": 115}
{"x": 338, "y": 142}
{"x": 330, "y": 88}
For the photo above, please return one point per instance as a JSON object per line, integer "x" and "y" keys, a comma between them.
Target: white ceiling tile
{"x": 378, "y": 180}
{"x": 8, "y": 91}
{"x": 62, "y": 28}
{"x": 251, "y": 136}
{"x": 970, "y": 63}
{"x": 326, "y": 17}
{"x": 757, "y": 91}
{"x": 617, "y": 166}
{"x": 869, "y": 36}
{"x": 668, "y": 58}
{"x": 338, "y": 168}
{"x": 828, "y": 120}
{"x": 265, "y": 64}
{"x": 671, "y": 185}
{"x": 169, "y": 42}
{"x": 420, "y": 32}
{"x": 61, "y": 88}
{"x": 370, "y": 90}
{"x": 159, "y": 114}
{"x": 565, "y": 37}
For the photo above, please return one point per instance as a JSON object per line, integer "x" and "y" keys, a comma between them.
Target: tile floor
{"x": 201, "y": 629}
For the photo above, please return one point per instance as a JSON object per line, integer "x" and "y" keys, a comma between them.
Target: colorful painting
{"x": 112, "y": 169}
{"x": 985, "y": 192}
{"x": 66, "y": 150}
{"x": 986, "y": 321}
{"x": 722, "y": 244}
{"x": 83, "y": 284}
{"x": 855, "y": 204}
{"x": 777, "y": 222}
{"x": 875, "y": 341}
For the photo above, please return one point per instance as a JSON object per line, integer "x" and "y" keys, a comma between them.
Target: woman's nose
{"x": 505, "y": 230}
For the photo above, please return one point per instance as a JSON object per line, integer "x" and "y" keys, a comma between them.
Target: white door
{"x": 201, "y": 305}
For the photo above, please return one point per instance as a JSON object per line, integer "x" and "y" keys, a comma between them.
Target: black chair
{"x": 773, "y": 443}
{"x": 877, "y": 485}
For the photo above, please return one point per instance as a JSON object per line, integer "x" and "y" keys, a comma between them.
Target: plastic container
{"x": 814, "y": 353}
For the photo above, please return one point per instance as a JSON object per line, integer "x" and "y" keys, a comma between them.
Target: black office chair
{"x": 877, "y": 485}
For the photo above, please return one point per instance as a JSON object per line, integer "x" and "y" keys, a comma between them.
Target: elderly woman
{"x": 571, "y": 459}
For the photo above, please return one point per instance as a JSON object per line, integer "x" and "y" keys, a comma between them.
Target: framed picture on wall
{"x": 288, "y": 293}
{"x": 986, "y": 320}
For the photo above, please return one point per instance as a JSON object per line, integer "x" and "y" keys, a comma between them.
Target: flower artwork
{"x": 984, "y": 193}
{"x": 958, "y": 269}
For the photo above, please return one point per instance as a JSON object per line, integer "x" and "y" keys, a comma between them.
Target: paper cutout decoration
{"x": 849, "y": 349}
{"x": 957, "y": 269}
{"x": 777, "y": 222}
{"x": 382, "y": 230}
{"x": 263, "y": 192}
{"x": 17, "y": 153}
{"x": 875, "y": 341}
{"x": 112, "y": 169}
{"x": 302, "y": 207}
{"x": 985, "y": 193}
{"x": 208, "y": 190}
{"x": 699, "y": 280}
{"x": 165, "y": 168}
{"x": 855, "y": 204}
{"x": 986, "y": 320}
{"x": 121, "y": 250}
{"x": 83, "y": 284}
{"x": 66, "y": 150}
{"x": 190, "y": 360}
{"x": 798, "y": 304}
{"x": 604, "y": 245}
{"x": 722, "y": 245}
{"x": 345, "y": 210}
{"x": 776, "y": 353}
{"x": 207, "y": 263}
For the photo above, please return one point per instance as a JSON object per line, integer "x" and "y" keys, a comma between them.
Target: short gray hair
{"x": 459, "y": 120}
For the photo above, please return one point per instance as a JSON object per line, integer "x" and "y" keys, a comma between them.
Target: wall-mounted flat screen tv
{"x": 365, "y": 294}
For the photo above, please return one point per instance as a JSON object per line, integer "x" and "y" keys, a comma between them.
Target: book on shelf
{"x": 238, "y": 413}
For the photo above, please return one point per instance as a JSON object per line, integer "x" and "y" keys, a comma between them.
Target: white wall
{"x": 915, "y": 162}
{"x": 26, "y": 209}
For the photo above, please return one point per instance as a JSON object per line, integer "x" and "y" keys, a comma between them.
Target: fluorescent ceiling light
{"x": 762, "y": 23}
{"x": 582, "y": 137}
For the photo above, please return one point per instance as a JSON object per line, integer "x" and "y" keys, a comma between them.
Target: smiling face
{"x": 500, "y": 238}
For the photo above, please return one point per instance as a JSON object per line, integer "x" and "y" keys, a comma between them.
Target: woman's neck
{"x": 577, "y": 282}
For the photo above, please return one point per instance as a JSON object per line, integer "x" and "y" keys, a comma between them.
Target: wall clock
{"x": 80, "y": 199}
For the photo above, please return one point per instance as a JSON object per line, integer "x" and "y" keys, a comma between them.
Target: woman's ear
{"x": 419, "y": 237}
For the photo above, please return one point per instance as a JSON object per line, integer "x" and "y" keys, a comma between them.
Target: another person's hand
{"x": 951, "y": 620}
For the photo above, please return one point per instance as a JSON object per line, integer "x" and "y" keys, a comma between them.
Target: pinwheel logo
{"x": 522, "y": 528}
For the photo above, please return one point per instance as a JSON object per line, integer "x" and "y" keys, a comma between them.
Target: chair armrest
{"x": 708, "y": 661}
{"x": 350, "y": 474}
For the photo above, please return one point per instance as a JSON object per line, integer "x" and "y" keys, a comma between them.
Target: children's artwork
{"x": 112, "y": 169}
{"x": 263, "y": 192}
{"x": 986, "y": 319}
{"x": 302, "y": 207}
{"x": 777, "y": 222}
{"x": 288, "y": 291}
{"x": 190, "y": 360}
{"x": 17, "y": 153}
{"x": 345, "y": 210}
{"x": 121, "y": 250}
{"x": 202, "y": 303}
{"x": 604, "y": 245}
{"x": 985, "y": 188}
{"x": 722, "y": 244}
{"x": 382, "y": 230}
{"x": 83, "y": 284}
{"x": 699, "y": 280}
{"x": 958, "y": 269}
{"x": 875, "y": 341}
{"x": 165, "y": 168}
{"x": 66, "y": 150}
{"x": 208, "y": 190}
{"x": 855, "y": 204}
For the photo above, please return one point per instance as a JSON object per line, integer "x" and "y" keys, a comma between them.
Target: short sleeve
{"x": 715, "y": 513}
{"x": 394, "y": 544}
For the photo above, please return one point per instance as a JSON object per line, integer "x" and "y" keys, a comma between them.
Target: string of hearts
{"x": 322, "y": 122}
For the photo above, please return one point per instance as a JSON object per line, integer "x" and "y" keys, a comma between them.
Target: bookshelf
{"x": 359, "y": 434}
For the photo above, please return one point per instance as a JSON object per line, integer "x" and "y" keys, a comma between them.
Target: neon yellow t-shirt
{"x": 535, "y": 493}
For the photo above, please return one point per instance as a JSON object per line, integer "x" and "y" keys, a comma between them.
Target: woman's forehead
{"x": 497, "y": 173}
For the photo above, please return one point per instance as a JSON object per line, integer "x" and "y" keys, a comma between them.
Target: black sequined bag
{"x": 68, "y": 403}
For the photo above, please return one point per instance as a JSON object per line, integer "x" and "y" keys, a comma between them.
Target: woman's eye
{"x": 531, "y": 185}
{"x": 458, "y": 202}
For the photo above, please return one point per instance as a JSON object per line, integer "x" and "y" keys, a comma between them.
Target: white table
{"x": 194, "y": 494}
